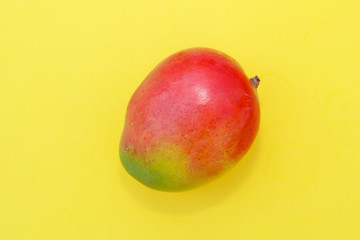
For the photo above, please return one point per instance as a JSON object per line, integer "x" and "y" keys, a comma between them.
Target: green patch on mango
{"x": 162, "y": 168}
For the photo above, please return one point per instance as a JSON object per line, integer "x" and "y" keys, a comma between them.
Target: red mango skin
{"x": 200, "y": 103}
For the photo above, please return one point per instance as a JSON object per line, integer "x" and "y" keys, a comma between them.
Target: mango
{"x": 192, "y": 118}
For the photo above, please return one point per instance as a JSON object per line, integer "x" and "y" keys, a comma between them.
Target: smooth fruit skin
{"x": 194, "y": 116}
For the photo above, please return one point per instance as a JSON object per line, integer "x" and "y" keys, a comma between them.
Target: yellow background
{"x": 68, "y": 69}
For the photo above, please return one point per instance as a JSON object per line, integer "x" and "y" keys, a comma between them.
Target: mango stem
{"x": 255, "y": 81}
